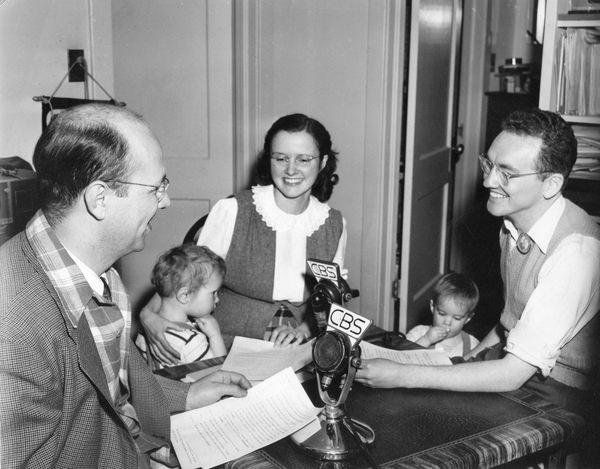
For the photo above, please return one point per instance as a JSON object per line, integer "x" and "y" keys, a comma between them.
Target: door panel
{"x": 434, "y": 39}
{"x": 181, "y": 81}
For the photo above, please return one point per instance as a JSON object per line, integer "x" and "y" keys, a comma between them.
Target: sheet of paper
{"x": 196, "y": 375}
{"x": 307, "y": 431}
{"x": 408, "y": 357}
{"x": 258, "y": 359}
{"x": 231, "y": 428}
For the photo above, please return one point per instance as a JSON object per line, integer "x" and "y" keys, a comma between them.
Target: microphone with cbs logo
{"x": 336, "y": 357}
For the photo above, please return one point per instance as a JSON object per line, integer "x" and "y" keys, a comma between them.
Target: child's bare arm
{"x": 433, "y": 335}
{"x": 210, "y": 327}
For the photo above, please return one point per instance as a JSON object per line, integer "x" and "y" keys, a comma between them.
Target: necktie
{"x": 282, "y": 317}
{"x": 106, "y": 291}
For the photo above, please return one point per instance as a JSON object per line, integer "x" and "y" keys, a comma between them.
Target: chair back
{"x": 194, "y": 232}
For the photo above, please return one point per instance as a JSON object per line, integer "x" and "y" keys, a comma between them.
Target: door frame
{"x": 411, "y": 104}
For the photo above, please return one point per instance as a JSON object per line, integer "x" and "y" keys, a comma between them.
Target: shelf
{"x": 587, "y": 175}
{"x": 582, "y": 119}
{"x": 579, "y": 20}
{"x": 583, "y": 187}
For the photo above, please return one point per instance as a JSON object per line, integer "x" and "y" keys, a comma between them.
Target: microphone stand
{"x": 340, "y": 436}
{"x": 331, "y": 442}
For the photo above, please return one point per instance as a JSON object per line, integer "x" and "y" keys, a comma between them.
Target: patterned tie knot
{"x": 524, "y": 243}
{"x": 106, "y": 291}
{"x": 282, "y": 317}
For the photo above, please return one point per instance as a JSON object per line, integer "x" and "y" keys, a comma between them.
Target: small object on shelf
{"x": 584, "y": 6}
{"x": 515, "y": 76}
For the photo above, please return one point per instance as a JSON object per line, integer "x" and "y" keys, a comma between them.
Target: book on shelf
{"x": 588, "y": 140}
{"x": 587, "y": 164}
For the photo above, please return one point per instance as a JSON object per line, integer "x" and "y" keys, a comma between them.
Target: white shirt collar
{"x": 306, "y": 222}
{"x": 542, "y": 230}
{"x": 90, "y": 276}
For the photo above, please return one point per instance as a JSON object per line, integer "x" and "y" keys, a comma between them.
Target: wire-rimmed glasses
{"x": 159, "y": 190}
{"x": 303, "y": 161}
{"x": 487, "y": 165}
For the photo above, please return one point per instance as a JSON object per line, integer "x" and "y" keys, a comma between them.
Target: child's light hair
{"x": 459, "y": 287}
{"x": 188, "y": 266}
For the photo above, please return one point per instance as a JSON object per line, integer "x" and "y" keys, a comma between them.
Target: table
{"x": 436, "y": 429}
{"x": 440, "y": 429}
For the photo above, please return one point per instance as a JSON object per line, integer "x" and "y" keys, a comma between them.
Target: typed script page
{"x": 231, "y": 428}
{"x": 407, "y": 357}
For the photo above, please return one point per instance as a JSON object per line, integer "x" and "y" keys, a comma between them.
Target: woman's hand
{"x": 155, "y": 327}
{"x": 287, "y": 335}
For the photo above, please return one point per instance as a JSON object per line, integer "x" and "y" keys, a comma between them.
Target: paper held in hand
{"x": 233, "y": 427}
{"x": 407, "y": 357}
{"x": 259, "y": 359}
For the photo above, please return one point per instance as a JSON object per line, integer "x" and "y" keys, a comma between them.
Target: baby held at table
{"x": 187, "y": 279}
{"x": 452, "y": 305}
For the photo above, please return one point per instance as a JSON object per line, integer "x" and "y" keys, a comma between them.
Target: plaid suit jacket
{"x": 55, "y": 406}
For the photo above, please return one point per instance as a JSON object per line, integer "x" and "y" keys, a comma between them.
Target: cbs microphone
{"x": 336, "y": 351}
{"x": 336, "y": 355}
{"x": 331, "y": 288}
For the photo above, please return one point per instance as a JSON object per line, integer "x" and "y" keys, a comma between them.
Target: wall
{"x": 314, "y": 58}
{"x": 510, "y": 21}
{"x": 34, "y": 38}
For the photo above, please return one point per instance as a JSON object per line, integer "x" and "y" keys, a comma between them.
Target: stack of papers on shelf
{"x": 233, "y": 427}
{"x": 588, "y": 148}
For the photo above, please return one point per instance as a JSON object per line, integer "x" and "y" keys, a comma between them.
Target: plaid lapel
{"x": 109, "y": 324}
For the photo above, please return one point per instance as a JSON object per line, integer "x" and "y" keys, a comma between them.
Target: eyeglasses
{"x": 281, "y": 159}
{"x": 159, "y": 190}
{"x": 505, "y": 176}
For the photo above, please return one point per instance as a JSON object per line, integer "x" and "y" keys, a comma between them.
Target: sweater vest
{"x": 578, "y": 359}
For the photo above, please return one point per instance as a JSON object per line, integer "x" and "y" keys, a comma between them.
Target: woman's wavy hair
{"x": 323, "y": 186}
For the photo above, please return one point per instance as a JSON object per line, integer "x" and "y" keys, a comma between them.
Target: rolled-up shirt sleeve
{"x": 566, "y": 297}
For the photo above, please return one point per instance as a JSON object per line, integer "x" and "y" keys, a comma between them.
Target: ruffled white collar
{"x": 306, "y": 222}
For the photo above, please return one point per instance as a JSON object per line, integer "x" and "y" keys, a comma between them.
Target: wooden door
{"x": 173, "y": 64}
{"x": 432, "y": 84}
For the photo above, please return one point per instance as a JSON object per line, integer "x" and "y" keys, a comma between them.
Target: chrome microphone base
{"x": 334, "y": 441}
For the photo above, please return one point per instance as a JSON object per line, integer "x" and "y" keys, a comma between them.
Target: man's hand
{"x": 379, "y": 373}
{"x": 213, "y": 387}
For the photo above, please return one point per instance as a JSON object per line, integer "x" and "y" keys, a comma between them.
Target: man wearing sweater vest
{"x": 547, "y": 337}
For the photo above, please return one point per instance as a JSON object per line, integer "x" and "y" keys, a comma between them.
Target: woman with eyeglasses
{"x": 265, "y": 234}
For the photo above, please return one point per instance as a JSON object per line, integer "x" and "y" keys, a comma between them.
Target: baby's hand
{"x": 209, "y": 325}
{"x": 436, "y": 333}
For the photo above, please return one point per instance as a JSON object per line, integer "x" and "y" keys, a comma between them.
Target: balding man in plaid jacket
{"x": 74, "y": 391}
